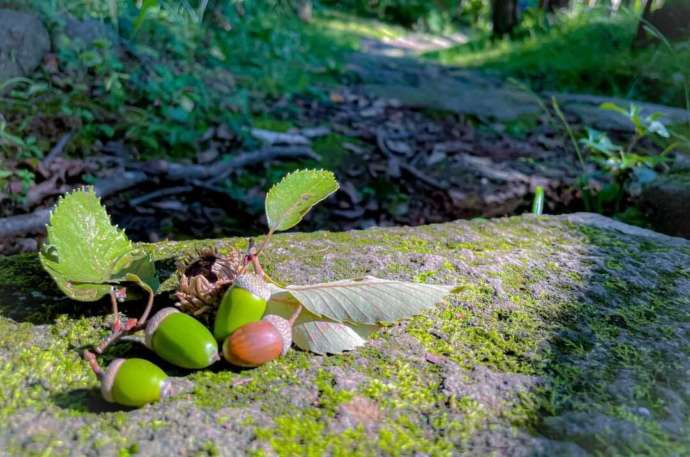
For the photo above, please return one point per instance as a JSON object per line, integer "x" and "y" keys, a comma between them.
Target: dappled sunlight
{"x": 440, "y": 291}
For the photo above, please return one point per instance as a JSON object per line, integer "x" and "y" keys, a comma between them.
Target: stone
{"x": 85, "y": 31}
{"x": 586, "y": 109}
{"x": 24, "y": 41}
{"x": 567, "y": 335}
{"x": 667, "y": 201}
{"x": 427, "y": 85}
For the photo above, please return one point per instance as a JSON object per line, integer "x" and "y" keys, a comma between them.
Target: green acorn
{"x": 134, "y": 382}
{"x": 245, "y": 302}
{"x": 181, "y": 340}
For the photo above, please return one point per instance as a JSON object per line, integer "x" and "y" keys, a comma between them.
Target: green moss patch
{"x": 562, "y": 337}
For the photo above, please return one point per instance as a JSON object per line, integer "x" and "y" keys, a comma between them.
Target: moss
{"x": 577, "y": 309}
{"x": 52, "y": 363}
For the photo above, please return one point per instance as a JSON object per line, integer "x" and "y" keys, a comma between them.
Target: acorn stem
{"x": 116, "y": 313}
{"x": 147, "y": 310}
{"x": 264, "y": 243}
{"x": 90, "y": 357}
{"x": 257, "y": 267}
{"x": 132, "y": 326}
{"x": 248, "y": 257}
{"x": 252, "y": 257}
{"x": 295, "y": 315}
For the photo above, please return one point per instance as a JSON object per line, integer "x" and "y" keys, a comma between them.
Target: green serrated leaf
{"x": 319, "y": 335}
{"x": 85, "y": 254}
{"x": 288, "y": 201}
{"x": 136, "y": 266}
{"x": 365, "y": 301}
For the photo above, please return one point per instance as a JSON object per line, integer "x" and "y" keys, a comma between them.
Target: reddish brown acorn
{"x": 259, "y": 342}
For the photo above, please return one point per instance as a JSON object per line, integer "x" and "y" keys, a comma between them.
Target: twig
{"x": 35, "y": 222}
{"x": 315, "y": 132}
{"x": 57, "y": 149}
{"x": 428, "y": 180}
{"x": 24, "y": 223}
{"x": 269, "y": 137}
{"x": 160, "y": 193}
{"x": 145, "y": 315}
{"x": 116, "y": 313}
{"x": 223, "y": 169}
{"x": 264, "y": 243}
{"x": 93, "y": 363}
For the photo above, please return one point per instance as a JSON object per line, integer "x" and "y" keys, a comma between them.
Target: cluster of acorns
{"x": 248, "y": 338}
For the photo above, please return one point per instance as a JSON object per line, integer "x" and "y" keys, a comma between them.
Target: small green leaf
{"x": 609, "y": 106}
{"x": 288, "y": 201}
{"x": 85, "y": 254}
{"x": 600, "y": 142}
{"x": 538, "y": 202}
{"x": 136, "y": 266}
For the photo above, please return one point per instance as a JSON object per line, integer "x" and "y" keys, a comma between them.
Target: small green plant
{"x": 89, "y": 258}
{"x": 15, "y": 146}
{"x": 621, "y": 169}
{"x": 538, "y": 202}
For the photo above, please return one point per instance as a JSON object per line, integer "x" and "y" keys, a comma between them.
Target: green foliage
{"x": 288, "y": 201}
{"x": 15, "y": 146}
{"x": 437, "y": 16}
{"x": 621, "y": 169}
{"x": 85, "y": 254}
{"x": 166, "y": 71}
{"x": 587, "y": 50}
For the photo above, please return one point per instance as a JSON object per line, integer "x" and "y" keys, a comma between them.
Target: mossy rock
{"x": 568, "y": 336}
{"x": 667, "y": 200}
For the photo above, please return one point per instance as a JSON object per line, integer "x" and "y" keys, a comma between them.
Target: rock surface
{"x": 86, "y": 31}
{"x": 667, "y": 200}
{"x": 568, "y": 336}
{"x": 23, "y": 43}
{"x": 427, "y": 85}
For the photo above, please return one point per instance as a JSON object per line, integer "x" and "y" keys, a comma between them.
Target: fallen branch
{"x": 417, "y": 174}
{"x": 270, "y": 137}
{"x": 160, "y": 193}
{"x": 219, "y": 170}
{"x": 56, "y": 151}
{"x": 35, "y": 222}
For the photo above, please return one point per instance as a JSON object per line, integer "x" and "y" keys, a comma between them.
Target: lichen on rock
{"x": 568, "y": 336}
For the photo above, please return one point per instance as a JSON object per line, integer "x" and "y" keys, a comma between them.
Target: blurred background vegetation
{"x": 158, "y": 75}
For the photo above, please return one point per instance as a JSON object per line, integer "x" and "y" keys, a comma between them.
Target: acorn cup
{"x": 260, "y": 342}
{"x": 243, "y": 303}
{"x": 134, "y": 382}
{"x": 204, "y": 278}
{"x": 180, "y": 339}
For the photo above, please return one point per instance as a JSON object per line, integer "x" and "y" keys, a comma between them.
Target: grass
{"x": 586, "y": 52}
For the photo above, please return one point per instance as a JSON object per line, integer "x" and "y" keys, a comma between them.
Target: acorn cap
{"x": 109, "y": 379}
{"x": 254, "y": 284}
{"x": 204, "y": 276}
{"x": 284, "y": 328}
{"x": 154, "y": 322}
